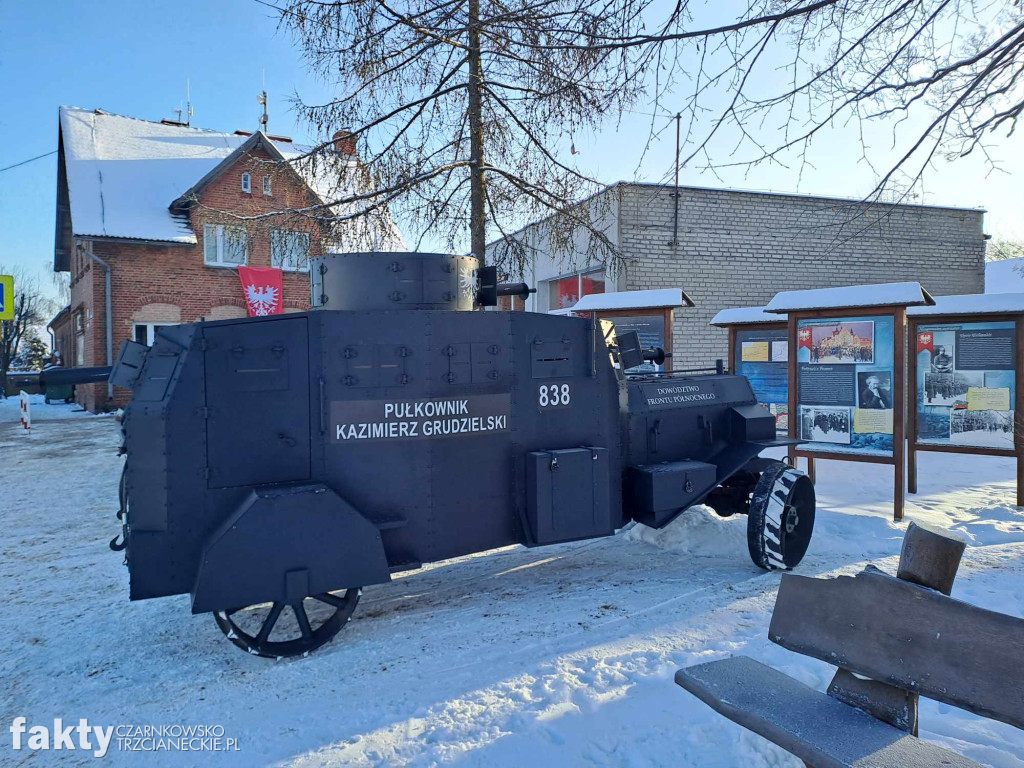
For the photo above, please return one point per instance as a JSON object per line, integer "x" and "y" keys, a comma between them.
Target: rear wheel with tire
{"x": 781, "y": 518}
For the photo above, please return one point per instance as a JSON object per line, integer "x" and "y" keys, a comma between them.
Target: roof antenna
{"x": 188, "y": 102}
{"x": 262, "y": 99}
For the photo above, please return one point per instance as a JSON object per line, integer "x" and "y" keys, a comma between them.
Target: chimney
{"x": 344, "y": 143}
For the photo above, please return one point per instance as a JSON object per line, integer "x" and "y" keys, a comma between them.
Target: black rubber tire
{"x": 781, "y": 518}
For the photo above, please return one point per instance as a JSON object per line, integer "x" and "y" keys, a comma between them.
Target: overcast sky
{"x": 133, "y": 58}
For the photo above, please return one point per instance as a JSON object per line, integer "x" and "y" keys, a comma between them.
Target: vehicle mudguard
{"x": 284, "y": 543}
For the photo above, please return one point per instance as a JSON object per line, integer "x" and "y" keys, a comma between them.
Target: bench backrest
{"x": 909, "y": 636}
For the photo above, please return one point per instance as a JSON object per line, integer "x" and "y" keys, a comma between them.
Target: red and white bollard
{"x": 26, "y": 414}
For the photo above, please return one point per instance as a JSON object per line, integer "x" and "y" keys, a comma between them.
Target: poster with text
{"x": 762, "y": 356}
{"x": 966, "y": 383}
{"x": 846, "y": 384}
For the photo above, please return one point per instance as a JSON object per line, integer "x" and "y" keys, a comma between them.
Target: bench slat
{"x": 908, "y": 636}
{"x": 815, "y": 727}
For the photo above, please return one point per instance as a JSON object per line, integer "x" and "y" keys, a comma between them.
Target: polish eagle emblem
{"x": 262, "y": 299}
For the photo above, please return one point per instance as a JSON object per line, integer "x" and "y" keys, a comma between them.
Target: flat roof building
{"x": 731, "y": 248}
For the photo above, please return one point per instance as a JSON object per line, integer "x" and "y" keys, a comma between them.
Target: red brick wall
{"x": 176, "y": 277}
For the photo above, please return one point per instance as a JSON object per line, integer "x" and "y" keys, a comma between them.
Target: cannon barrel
{"x": 522, "y": 290}
{"x": 62, "y": 376}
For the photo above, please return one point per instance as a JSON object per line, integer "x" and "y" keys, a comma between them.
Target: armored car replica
{"x": 275, "y": 466}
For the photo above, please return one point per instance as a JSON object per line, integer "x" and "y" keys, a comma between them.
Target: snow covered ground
{"x": 10, "y": 409}
{"x": 550, "y": 657}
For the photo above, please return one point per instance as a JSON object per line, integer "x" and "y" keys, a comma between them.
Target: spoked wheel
{"x": 781, "y": 518}
{"x": 279, "y": 630}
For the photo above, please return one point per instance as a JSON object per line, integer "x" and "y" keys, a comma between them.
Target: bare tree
{"x": 1002, "y": 248}
{"x": 30, "y": 310}
{"x": 466, "y": 112}
{"x": 952, "y": 70}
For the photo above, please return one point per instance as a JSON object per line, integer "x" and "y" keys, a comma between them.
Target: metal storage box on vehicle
{"x": 657, "y": 491}
{"x": 568, "y": 494}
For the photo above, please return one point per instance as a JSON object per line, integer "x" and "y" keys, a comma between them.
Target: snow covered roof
{"x": 124, "y": 173}
{"x": 879, "y": 295}
{"x": 973, "y": 304}
{"x": 745, "y": 316}
{"x": 658, "y": 297}
{"x": 1005, "y": 276}
{"x": 258, "y": 140}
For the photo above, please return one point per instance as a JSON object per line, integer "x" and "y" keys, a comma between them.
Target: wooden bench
{"x": 893, "y": 639}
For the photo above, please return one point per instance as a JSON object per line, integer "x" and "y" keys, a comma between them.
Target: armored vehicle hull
{"x": 287, "y": 462}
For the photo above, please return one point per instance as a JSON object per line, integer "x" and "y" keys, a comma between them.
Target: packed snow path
{"x": 559, "y": 656}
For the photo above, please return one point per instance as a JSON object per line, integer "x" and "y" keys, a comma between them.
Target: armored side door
{"x": 257, "y": 399}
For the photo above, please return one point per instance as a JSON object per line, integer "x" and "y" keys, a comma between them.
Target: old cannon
{"x": 287, "y": 462}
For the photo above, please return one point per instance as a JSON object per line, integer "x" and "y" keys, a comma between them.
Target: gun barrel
{"x": 522, "y": 290}
{"x": 58, "y": 376}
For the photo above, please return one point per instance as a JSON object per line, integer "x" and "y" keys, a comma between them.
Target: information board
{"x": 762, "y": 356}
{"x": 966, "y": 383}
{"x": 6, "y": 297}
{"x": 845, "y": 388}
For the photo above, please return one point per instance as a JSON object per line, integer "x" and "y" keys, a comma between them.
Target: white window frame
{"x": 275, "y": 238}
{"x": 247, "y": 183}
{"x": 150, "y": 331}
{"x": 579, "y": 282}
{"x": 267, "y": 186}
{"x": 218, "y": 231}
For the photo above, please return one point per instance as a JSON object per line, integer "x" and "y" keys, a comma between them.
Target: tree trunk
{"x": 477, "y": 220}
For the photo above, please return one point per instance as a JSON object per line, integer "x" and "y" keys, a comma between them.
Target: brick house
{"x": 147, "y": 228}
{"x": 734, "y": 248}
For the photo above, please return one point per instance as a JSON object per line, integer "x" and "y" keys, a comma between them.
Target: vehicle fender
{"x": 284, "y": 543}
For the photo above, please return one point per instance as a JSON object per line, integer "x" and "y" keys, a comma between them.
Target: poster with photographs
{"x": 966, "y": 383}
{"x": 838, "y": 341}
{"x": 950, "y": 389}
{"x": 845, "y": 386}
{"x": 825, "y": 424}
{"x": 989, "y": 429}
{"x": 762, "y": 355}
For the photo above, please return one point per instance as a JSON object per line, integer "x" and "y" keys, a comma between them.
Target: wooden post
{"x": 899, "y": 411}
{"x": 912, "y": 399}
{"x": 794, "y": 425}
{"x": 930, "y": 557}
{"x": 732, "y": 367}
{"x": 1018, "y": 413}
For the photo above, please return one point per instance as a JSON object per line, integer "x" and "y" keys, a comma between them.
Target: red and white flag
{"x": 926, "y": 342}
{"x": 804, "y": 339}
{"x": 263, "y": 289}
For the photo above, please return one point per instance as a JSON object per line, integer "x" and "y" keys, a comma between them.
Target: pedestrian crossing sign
{"x": 6, "y": 297}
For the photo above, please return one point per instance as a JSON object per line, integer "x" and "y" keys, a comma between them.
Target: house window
{"x": 289, "y": 250}
{"x": 247, "y": 183}
{"x": 266, "y": 186}
{"x": 79, "y": 328}
{"x": 224, "y": 246}
{"x": 565, "y": 292}
{"x": 145, "y": 333}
